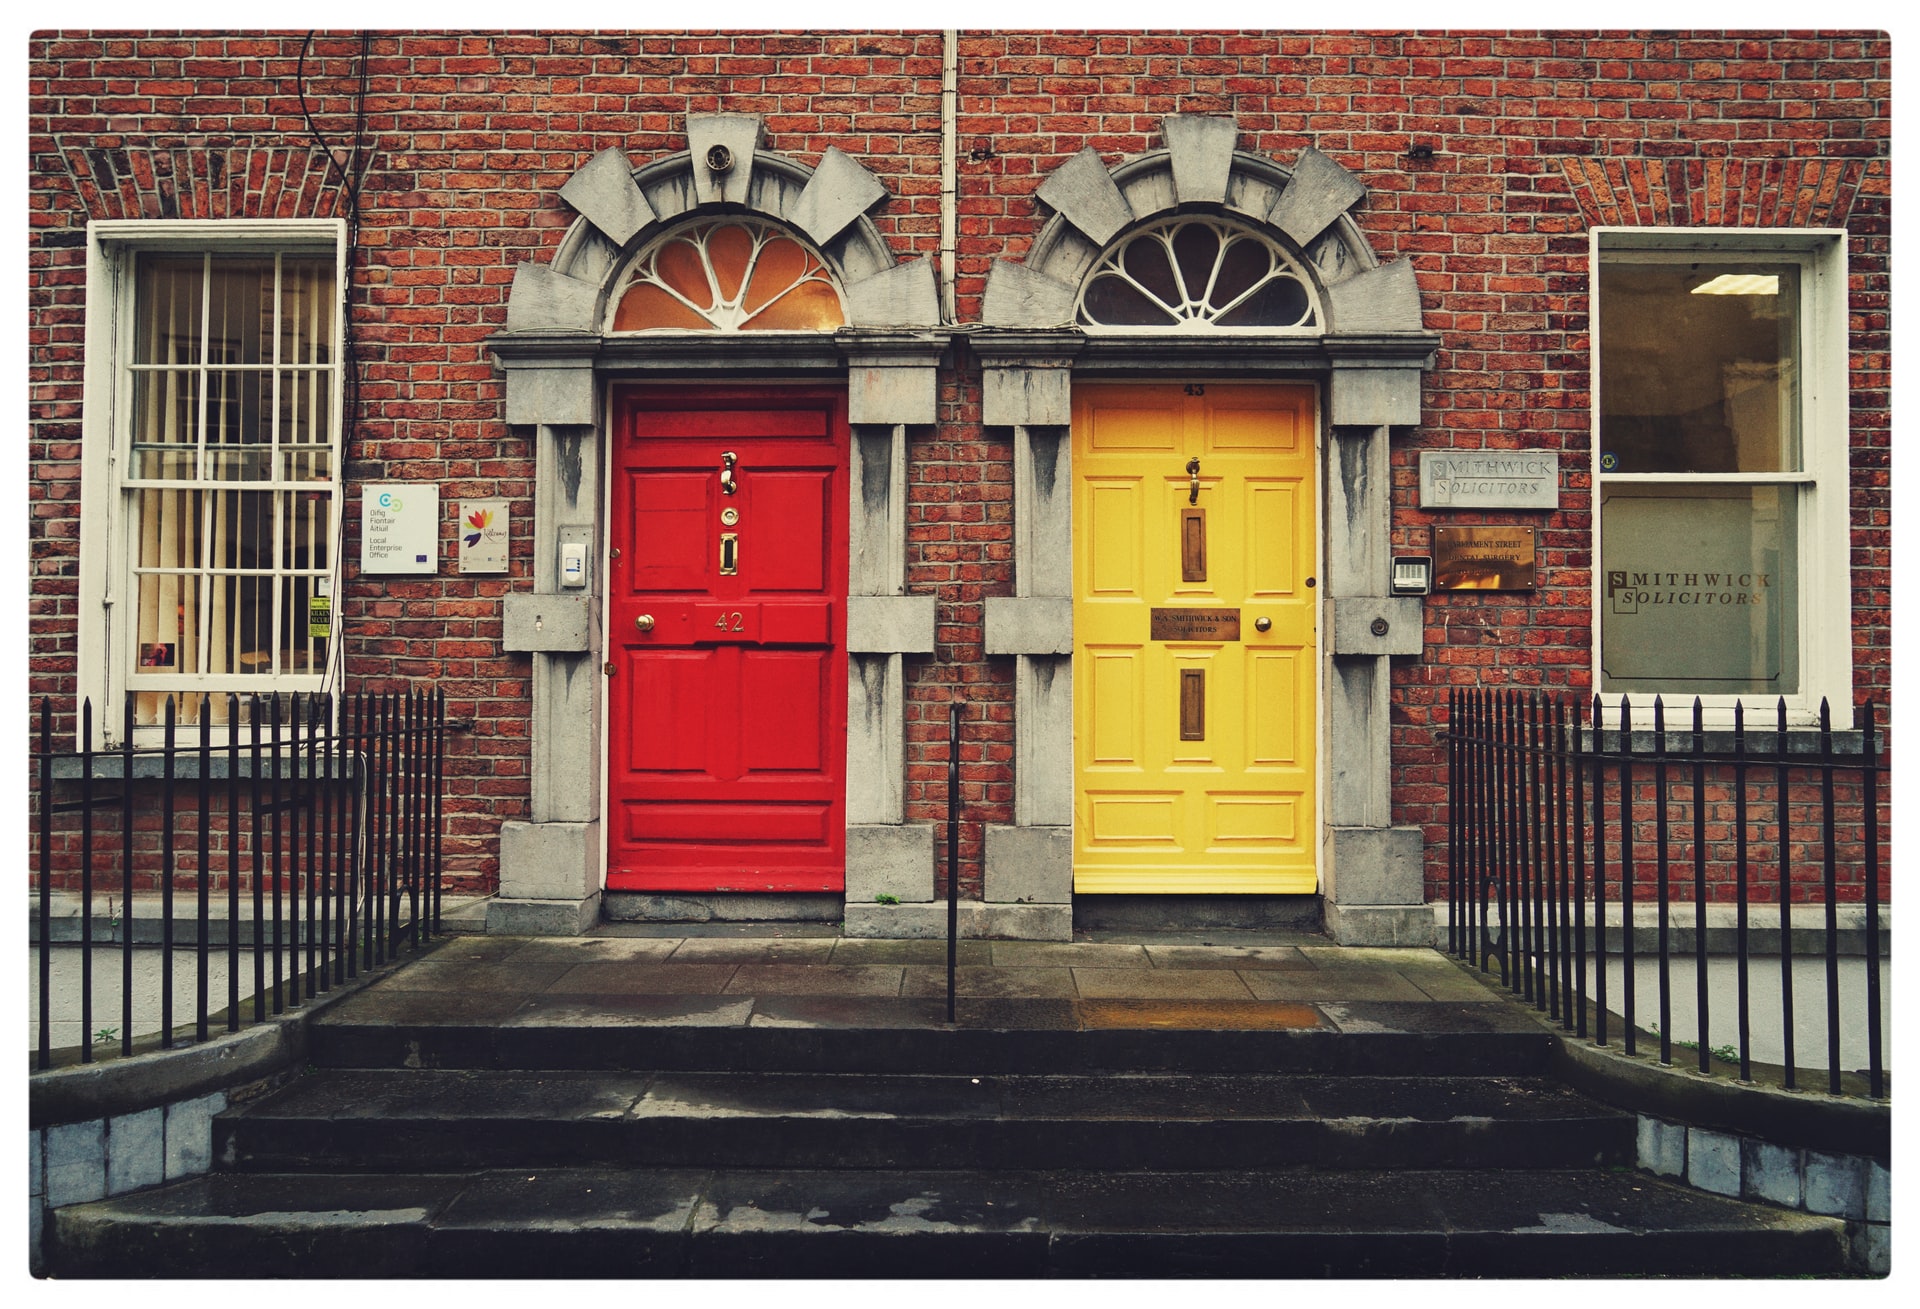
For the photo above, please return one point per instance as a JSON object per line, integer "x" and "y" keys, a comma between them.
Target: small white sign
{"x": 399, "y": 527}
{"x": 1489, "y": 479}
{"x": 483, "y": 536}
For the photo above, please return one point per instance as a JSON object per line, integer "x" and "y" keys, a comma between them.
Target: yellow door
{"x": 1194, "y": 655}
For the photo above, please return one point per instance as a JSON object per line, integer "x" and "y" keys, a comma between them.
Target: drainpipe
{"x": 949, "y": 169}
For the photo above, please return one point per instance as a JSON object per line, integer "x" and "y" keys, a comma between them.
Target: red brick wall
{"x": 469, "y": 137}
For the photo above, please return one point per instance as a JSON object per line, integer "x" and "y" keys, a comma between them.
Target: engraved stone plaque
{"x": 1195, "y": 625}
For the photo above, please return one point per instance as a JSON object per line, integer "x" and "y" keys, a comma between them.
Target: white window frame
{"x": 1825, "y": 583}
{"x": 107, "y": 595}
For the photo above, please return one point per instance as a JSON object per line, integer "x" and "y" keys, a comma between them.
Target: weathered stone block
{"x": 1026, "y": 397}
{"x": 1029, "y": 865}
{"x": 136, "y": 1151}
{"x": 1316, "y": 195}
{"x": 1383, "y": 299}
{"x": 548, "y": 622}
{"x": 1355, "y": 619}
{"x": 839, "y": 191}
{"x": 1006, "y": 922}
{"x": 1202, "y": 156}
{"x": 1836, "y": 1184}
{"x": 1373, "y": 866}
{"x": 740, "y": 135}
{"x": 1662, "y": 1147}
{"x": 1374, "y": 397}
{"x": 1016, "y": 296}
{"x": 905, "y": 295}
{"x": 543, "y": 300}
{"x": 549, "y": 861}
{"x": 190, "y": 1134}
{"x": 890, "y": 624}
{"x": 604, "y": 193}
{"x": 554, "y": 393}
{"x": 1029, "y": 624}
{"x": 1770, "y": 1172}
{"x": 888, "y": 394}
{"x": 1713, "y": 1161}
{"x": 1381, "y": 925}
{"x": 893, "y": 860}
{"x": 76, "y": 1163}
{"x": 1083, "y": 192}
{"x": 521, "y": 917}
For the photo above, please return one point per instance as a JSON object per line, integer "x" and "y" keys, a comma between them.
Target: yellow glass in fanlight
{"x": 809, "y": 307}
{"x": 646, "y": 305}
{"x": 730, "y": 250}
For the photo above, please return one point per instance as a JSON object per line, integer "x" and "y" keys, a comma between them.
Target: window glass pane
{"x": 166, "y": 412}
{"x": 167, "y": 300}
{"x": 1701, "y": 590}
{"x": 1699, "y": 367}
{"x": 306, "y": 311}
{"x": 1195, "y": 274}
{"x": 1196, "y": 248}
{"x": 1120, "y": 303}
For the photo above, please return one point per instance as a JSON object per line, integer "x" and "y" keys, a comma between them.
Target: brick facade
{"x": 467, "y": 140}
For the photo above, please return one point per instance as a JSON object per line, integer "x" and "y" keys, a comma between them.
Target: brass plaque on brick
{"x": 1185, "y": 624}
{"x": 1483, "y": 559}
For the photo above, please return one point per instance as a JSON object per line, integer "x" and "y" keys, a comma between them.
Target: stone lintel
{"x": 554, "y": 621}
{"x": 1355, "y": 619}
{"x": 1029, "y": 625}
{"x": 1202, "y": 156}
{"x": 1029, "y": 865}
{"x": 1085, "y": 194}
{"x": 1372, "y": 395}
{"x": 604, "y": 193}
{"x": 890, "y": 624}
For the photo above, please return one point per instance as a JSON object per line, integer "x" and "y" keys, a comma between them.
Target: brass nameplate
{"x": 1195, "y": 625}
{"x": 1483, "y": 559}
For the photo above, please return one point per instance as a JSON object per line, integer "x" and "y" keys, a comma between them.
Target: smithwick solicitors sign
{"x": 1489, "y": 479}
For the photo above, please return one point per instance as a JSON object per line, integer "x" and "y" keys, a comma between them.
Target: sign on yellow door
{"x": 1194, "y": 655}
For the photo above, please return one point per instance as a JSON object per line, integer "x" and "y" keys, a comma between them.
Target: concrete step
{"x": 391, "y": 1120}
{"x": 611, "y": 1222}
{"x": 891, "y": 1035}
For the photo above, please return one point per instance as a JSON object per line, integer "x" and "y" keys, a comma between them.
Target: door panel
{"x": 727, "y": 713}
{"x": 1194, "y": 756}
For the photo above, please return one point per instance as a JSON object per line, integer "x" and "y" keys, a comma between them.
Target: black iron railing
{"x": 1561, "y": 830}
{"x": 320, "y": 816}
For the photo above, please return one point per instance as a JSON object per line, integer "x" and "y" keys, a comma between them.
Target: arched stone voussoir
{"x": 739, "y": 135}
{"x": 839, "y": 192}
{"x": 905, "y": 295}
{"x": 1018, "y": 296}
{"x": 543, "y": 300}
{"x": 1083, "y": 192}
{"x": 1202, "y": 154}
{"x": 604, "y": 193}
{"x": 1382, "y": 299}
{"x": 1317, "y": 194}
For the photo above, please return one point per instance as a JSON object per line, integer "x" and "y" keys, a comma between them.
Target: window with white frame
{"x": 1720, "y": 441}
{"x": 210, "y": 499}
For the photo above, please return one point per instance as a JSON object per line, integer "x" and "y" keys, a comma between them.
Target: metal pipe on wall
{"x": 949, "y": 170}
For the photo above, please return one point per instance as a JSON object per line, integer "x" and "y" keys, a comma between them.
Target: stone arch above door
{"x": 557, "y": 354}
{"x": 1369, "y": 353}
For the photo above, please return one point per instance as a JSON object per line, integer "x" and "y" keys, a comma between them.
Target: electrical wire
{"x": 351, "y": 174}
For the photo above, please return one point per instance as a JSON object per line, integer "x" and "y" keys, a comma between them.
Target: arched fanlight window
{"x": 1197, "y": 273}
{"x": 729, "y": 275}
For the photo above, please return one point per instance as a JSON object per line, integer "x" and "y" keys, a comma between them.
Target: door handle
{"x": 1193, "y": 487}
{"x": 1263, "y": 624}
{"x": 644, "y": 622}
{"x": 727, "y": 462}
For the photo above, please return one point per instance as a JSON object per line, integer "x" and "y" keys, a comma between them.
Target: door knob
{"x": 644, "y": 622}
{"x": 1263, "y": 624}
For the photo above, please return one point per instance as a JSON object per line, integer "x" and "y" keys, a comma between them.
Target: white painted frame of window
{"x": 104, "y": 646}
{"x": 1825, "y": 585}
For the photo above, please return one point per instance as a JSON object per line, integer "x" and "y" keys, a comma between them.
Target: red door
{"x": 727, "y": 613}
